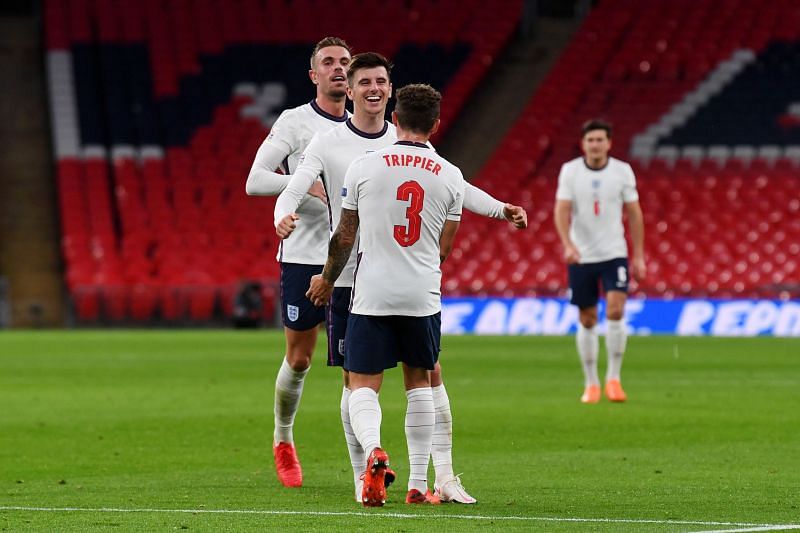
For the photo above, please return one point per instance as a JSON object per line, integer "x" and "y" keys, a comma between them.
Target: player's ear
{"x": 394, "y": 118}
{"x": 350, "y": 92}
{"x": 435, "y": 127}
{"x": 312, "y": 75}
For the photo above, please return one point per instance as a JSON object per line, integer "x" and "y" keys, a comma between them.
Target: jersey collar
{"x": 595, "y": 169}
{"x": 365, "y": 134}
{"x": 412, "y": 143}
{"x": 327, "y": 115}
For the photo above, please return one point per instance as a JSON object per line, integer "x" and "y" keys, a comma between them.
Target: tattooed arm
{"x": 342, "y": 242}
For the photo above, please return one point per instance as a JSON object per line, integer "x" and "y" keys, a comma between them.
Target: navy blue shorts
{"x": 297, "y": 311}
{"x": 375, "y": 343}
{"x": 338, "y": 312}
{"x": 585, "y": 280}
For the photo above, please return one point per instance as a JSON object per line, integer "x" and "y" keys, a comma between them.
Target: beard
{"x": 337, "y": 94}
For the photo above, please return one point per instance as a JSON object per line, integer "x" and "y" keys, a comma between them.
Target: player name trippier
{"x": 405, "y": 160}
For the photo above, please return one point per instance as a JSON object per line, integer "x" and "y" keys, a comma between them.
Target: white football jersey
{"x": 328, "y": 155}
{"x": 597, "y": 198}
{"x": 291, "y": 134}
{"x": 404, "y": 194}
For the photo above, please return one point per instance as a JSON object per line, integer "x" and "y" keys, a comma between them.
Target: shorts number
{"x": 408, "y": 235}
{"x": 622, "y": 274}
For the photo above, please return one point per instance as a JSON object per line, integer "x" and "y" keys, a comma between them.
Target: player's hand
{"x": 286, "y": 225}
{"x": 571, "y": 254}
{"x": 638, "y": 268}
{"x": 516, "y": 215}
{"x": 318, "y": 190}
{"x": 319, "y": 291}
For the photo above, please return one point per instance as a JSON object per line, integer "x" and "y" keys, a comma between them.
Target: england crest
{"x": 292, "y": 312}
{"x": 341, "y": 346}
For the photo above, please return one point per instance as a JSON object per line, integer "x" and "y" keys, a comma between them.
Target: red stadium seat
{"x": 170, "y": 234}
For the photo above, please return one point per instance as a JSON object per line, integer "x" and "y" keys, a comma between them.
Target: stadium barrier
{"x": 553, "y": 316}
{"x": 5, "y": 305}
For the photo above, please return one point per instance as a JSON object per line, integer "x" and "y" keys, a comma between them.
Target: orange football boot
{"x": 614, "y": 391}
{"x": 591, "y": 394}
{"x": 374, "y": 492}
{"x": 415, "y": 496}
{"x": 287, "y": 465}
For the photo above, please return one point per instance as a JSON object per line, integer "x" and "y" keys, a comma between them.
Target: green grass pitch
{"x": 156, "y": 431}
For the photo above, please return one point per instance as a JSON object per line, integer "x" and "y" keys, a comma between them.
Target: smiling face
{"x": 329, "y": 71}
{"x": 370, "y": 90}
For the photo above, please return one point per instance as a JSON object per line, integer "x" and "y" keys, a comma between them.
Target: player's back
{"x": 404, "y": 194}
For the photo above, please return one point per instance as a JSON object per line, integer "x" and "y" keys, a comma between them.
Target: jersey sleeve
{"x": 629, "y": 192}
{"x": 262, "y": 179}
{"x": 481, "y": 203}
{"x": 564, "y": 191}
{"x": 350, "y": 189}
{"x": 282, "y": 136}
{"x": 308, "y": 170}
{"x": 456, "y": 206}
{"x": 280, "y": 142}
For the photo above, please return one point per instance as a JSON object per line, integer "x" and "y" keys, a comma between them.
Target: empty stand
{"x": 159, "y": 108}
{"x": 720, "y": 212}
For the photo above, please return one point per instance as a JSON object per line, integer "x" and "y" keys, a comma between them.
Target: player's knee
{"x": 588, "y": 320}
{"x": 436, "y": 375}
{"x": 614, "y": 313}
{"x": 299, "y": 358}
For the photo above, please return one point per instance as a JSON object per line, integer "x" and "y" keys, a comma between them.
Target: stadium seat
{"x": 150, "y": 179}
{"x": 650, "y": 74}
{"x": 171, "y": 101}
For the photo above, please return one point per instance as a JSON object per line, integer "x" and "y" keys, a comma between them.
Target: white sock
{"x": 419, "y": 435}
{"x": 365, "y": 418}
{"x": 616, "y": 339}
{"x": 588, "y": 346}
{"x": 288, "y": 390}
{"x": 355, "y": 450}
{"x": 442, "y": 446}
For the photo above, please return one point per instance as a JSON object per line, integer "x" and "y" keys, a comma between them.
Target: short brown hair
{"x": 418, "y": 107}
{"x": 329, "y": 41}
{"x": 367, "y": 60}
{"x": 596, "y": 124}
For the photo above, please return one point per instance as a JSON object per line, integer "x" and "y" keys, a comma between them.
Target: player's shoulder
{"x": 572, "y": 166}
{"x": 618, "y": 162}
{"x": 293, "y": 115}
{"x": 448, "y": 167}
{"x": 288, "y": 126}
{"x": 339, "y": 131}
{"x": 308, "y": 115}
{"x": 613, "y": 162}
{"x": 330, "y": 137}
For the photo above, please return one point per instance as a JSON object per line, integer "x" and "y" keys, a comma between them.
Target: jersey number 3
{"x": 410, "y": 191}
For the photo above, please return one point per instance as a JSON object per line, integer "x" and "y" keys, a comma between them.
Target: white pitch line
{"x": 763, "y": 528}
{"x": 405, "y": 515}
